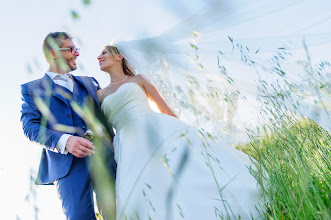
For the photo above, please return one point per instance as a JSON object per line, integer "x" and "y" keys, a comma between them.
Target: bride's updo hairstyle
{"x": 113, "y": 50}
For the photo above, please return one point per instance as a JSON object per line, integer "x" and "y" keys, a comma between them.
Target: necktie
{"x": 65, "y": 80}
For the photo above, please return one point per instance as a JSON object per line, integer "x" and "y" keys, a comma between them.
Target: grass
{"x": 297, "y": 165}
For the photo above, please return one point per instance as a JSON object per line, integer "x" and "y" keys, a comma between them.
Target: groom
{"x": 50, "y": 118}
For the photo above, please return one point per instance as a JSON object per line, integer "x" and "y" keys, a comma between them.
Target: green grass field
{"x": 297, "y": 165}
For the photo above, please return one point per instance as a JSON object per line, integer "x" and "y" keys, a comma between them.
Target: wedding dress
{"x": 167, "y": 169}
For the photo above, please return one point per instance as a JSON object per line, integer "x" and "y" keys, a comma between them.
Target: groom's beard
{"x": 72, "y": 63}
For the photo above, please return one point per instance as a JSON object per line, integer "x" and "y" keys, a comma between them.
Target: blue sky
{"x": 24, "y": 24}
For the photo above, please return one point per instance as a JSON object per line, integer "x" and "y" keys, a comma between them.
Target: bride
{"x": 167, "y": 169}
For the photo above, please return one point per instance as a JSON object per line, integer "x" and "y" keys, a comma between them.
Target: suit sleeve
{"x": 34, "y": 123}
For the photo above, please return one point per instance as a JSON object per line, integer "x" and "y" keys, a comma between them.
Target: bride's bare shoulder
{"x": 141, "y": 79}
{"x": 100, "y": 91}
{"x": 100, "y": 94}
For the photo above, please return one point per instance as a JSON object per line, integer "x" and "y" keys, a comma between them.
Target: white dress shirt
{"x": 64, "y": 80}
{"x": 61, "y": 144}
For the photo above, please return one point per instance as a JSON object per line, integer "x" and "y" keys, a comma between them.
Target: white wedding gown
{"x": 167, "y": 169}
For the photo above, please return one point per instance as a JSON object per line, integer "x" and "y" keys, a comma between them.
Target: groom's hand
{"x": 79, "y": 147}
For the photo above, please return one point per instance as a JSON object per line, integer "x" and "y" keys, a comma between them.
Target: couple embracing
{"x": 162, "y": 167}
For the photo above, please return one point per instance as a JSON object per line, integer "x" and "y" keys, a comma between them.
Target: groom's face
{"x": 69, "y": 55}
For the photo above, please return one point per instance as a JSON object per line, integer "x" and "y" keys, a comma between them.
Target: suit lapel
{"x": 51, "y": 88}
{"x": 91, "y": 91}
{"x": 90, "y": 87}
{"x": 86, "y": 83}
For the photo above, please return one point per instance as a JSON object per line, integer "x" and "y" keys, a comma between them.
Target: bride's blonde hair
{"x": 113, "y": 50}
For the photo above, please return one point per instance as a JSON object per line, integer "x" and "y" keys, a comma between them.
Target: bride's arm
{"x": 154, "y": 95}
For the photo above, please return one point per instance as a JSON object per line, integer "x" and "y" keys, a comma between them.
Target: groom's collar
{"x": 52, "y": 75}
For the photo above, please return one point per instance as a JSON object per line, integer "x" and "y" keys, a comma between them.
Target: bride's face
{"x": 106, "y": 60}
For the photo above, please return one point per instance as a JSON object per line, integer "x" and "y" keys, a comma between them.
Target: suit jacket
{"x": 47, "y": 114}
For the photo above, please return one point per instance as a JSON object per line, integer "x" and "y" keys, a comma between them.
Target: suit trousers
{"x": 75, "y": 191}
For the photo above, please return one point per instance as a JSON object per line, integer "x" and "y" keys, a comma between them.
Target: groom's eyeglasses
{"x": 73, "y": 50}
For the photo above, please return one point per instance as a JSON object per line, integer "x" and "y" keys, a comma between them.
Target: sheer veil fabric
{"x": 222, "y": 68}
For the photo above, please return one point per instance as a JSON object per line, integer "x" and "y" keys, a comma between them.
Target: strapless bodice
{"x": 127, "y": 104}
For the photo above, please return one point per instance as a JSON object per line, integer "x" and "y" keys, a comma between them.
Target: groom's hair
{"x": 54, "y": 41}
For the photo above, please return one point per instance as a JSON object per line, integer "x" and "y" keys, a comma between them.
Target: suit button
{"x": 68, "y": 115}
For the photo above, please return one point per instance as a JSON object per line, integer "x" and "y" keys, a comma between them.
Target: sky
{"x": 24, "y": 24}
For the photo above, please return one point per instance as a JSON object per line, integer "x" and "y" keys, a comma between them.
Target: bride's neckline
{"x": 117, "y": 91}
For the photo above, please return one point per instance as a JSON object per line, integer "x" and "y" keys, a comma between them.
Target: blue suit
{"x": 70, "y": 174}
